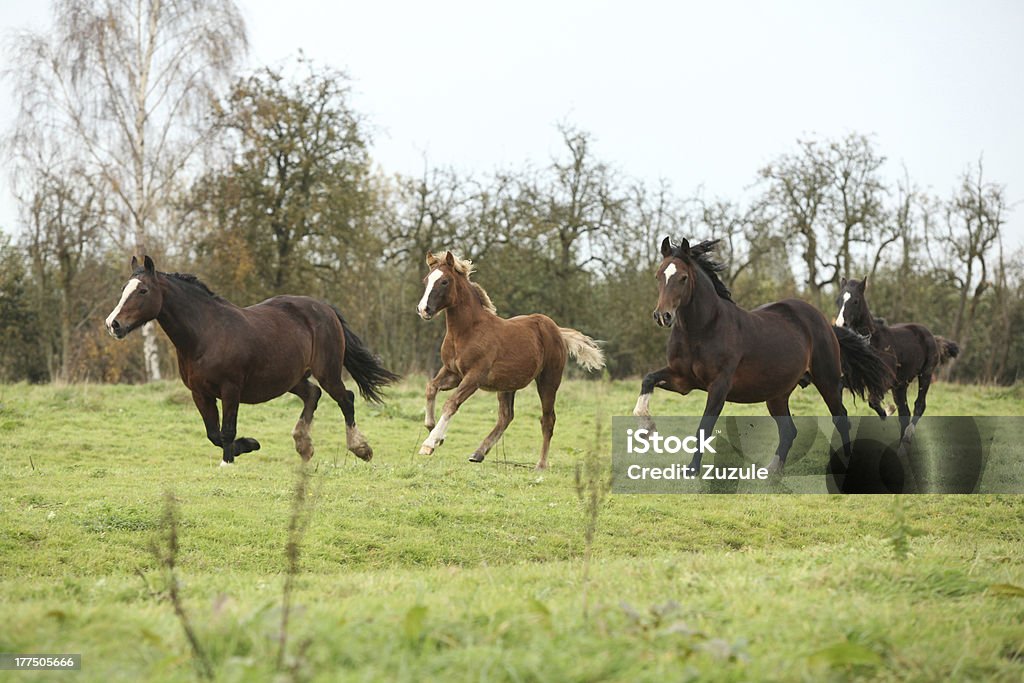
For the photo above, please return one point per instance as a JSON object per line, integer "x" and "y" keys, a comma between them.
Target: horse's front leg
{"x": 468, "y": 385}
{"x": 232, "y": 446}
{"x": 207, "y": 406}
{"x": 717, "y": 391}
{"x": 444, "y": 380}
{"x": 665, "y": 378}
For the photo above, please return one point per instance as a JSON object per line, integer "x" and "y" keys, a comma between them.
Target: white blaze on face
{"x": 431, "y": 281}
{"x": 840, "y": 321}
{"x": 670, "y": 270}
{"x": 128, "y": 289}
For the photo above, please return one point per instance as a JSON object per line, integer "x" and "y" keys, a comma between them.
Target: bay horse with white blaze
{"x": 909, "y": 350}
{"x": 751, "y": 356}
{"x": 483, "y": 351}
{"x": 251, "y": 355}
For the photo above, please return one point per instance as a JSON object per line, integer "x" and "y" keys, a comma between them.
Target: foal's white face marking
{"x": 128, "y": 289}
{"x": 670, "y": 270}
{"x": 431, "y": 281}
{"x": 840, "y": 321}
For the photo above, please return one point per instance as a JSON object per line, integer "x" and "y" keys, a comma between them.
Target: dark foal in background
{"x": 251, "y": 355}
{"x": 484, "y": 351}
{"x": 909, "y": 350}
{"x": 751, "y": 356}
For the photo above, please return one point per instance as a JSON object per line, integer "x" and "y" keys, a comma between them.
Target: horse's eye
{"x": 143, "y": 291}
{"x": 684, "y": 278}
{"x": 853, "y": 301}
{"x": 444, "y": 283}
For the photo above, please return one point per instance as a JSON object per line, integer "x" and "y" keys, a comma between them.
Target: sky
{"x": 701, "y": 94}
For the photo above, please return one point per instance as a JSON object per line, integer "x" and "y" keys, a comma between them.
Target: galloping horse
{"x": 751, "y": 356}
{"x": 251, "y": 355}
{"x": 909, "y": 350}
{"x": 483, "y": 351}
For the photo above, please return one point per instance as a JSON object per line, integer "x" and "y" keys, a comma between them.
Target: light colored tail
{"x": 582, "y": 348}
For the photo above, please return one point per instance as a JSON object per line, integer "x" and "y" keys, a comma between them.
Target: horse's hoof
{"x": 476, "y": 457}
{"x": 645, "y": 422}
{"x": 364, "y": 452}
{"x": 775, "y": 467}
{"x": 541, "y": 466}
{"x": 247, "y": 445}
{"x": 891, "y": 410}
{"x": 426, "y": 450}
{"x": 225, "y": 463}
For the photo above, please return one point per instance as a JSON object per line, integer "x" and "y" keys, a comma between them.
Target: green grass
{"x": 437, "y": 569}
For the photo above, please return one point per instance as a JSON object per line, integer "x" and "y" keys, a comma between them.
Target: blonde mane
{"x": 463, "y": 267}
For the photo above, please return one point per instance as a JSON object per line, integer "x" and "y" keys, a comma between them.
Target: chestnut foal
{"x": 483, "y": 351}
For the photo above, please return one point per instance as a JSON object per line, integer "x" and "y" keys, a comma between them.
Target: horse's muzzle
{"x": 425, "y": 313}
{"x": 116, "y": 330}
{"x": 663, "y": 319}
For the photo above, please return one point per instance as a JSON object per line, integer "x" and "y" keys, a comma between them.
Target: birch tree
{"x": 124, "y": 86}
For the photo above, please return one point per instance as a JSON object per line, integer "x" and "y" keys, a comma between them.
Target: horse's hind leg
{"x": 310, "y": 395}
{"x": 779, "y": 409}
{"x": 506, "y": 411}
{"x": 924, "y": 380}
{"x": 547, "y": 387}
{"x": 830, "y": 386}
{"x": 327, "y": 370}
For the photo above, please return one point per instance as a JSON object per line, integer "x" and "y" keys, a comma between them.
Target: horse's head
{"x": 439, "y": 285}
{"x": 853, "y": 307}
{"x": 141, "y": 300}
{"x": 677, "y": 276}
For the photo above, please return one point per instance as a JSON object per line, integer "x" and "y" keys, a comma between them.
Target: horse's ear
{"x": 449, "y": 259}
{"x": 135, "y": 263}
{"x": 148, "y": 262}
{"x": 430, "y": 258}
{"x": 666, "y": 247}
{"x": 842, "y": 282}
{"x": 684, "y": 246}
{"x": 863, "y": 284}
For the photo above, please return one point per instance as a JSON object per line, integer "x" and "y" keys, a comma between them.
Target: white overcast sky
{"x": 700, "y": 94}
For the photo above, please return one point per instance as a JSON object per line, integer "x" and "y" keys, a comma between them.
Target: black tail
{"x": 364, "y": 367}
{"x": 863, "y": 371}
{"x": 947, "y": 349}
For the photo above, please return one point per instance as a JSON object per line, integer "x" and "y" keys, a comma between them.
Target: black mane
{"x": 190, "y": 279}
{"x": 699, "y": 254}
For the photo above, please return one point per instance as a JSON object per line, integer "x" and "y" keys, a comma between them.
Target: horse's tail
{"x": 863, "y": 369}
{"x": 947, "y": 349}
{"x": 364, "y": 366}
{"x": 582, "y": 348}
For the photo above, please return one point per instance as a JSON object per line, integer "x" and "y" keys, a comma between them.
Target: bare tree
{"x": 125, "y": 86}
{"x": 972, "y": 237}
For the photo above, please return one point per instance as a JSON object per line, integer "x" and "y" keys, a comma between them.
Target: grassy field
{"x": 418, "y": 568}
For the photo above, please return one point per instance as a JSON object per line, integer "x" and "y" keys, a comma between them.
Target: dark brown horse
{"x": 251, "y": 355}
{"x": 483, "y": 351}
{"x": 909, "y": 350}
{"x": 750, "y": 356}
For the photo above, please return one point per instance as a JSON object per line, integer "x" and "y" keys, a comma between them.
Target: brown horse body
{"x": 251, "y": 355}
{"x": 484, "y": 351}
{"x": 750, "y": 356}
{"x": 909, "y": 350}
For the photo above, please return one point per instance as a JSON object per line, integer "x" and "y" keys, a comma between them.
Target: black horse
{"x": 909, "y": 350}
{"x": 251, "y": 355}
{"x": 751, "y": 356}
